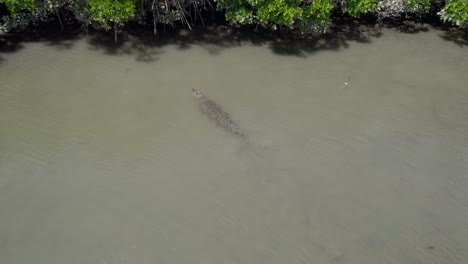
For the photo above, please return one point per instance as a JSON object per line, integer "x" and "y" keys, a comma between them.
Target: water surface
{"x": 361, "y": 151}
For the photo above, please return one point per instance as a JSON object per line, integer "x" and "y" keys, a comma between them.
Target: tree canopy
{"x": 301, "y": 15}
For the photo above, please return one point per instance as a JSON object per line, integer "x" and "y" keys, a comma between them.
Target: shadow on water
{"x": 458, "y": 37}
{"x": 408, "y": 27}
{"x": 214, "y": 39}
{"x": 8, "y": 44}
{"x": 128, "y": 44}
{"x": 140, "y": 42}
{"x": 50, "y": 36}
{"x": 451, "y": 34}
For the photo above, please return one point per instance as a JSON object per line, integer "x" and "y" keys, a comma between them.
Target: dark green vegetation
{"x": 298, "y": 15}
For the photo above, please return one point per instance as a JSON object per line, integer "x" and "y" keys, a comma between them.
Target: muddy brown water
{"x": 362, "y": 153}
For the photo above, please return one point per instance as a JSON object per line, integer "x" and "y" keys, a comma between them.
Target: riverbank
{"x": 283, "y": 17}
{"x": 218, "y": 32}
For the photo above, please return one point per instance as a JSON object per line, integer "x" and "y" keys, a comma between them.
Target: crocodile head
{"x": 196, "y": 93}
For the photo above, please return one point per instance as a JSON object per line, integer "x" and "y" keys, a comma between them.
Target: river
{"x": 359, "y": 149}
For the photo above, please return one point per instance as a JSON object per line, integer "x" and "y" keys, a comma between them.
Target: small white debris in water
{"x": 346, "y": 83}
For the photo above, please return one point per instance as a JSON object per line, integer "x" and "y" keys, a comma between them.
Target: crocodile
{"x": 217, "y": 114}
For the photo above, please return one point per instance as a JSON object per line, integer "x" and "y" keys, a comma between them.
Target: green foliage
{"x": 288, "y": 13}
{"x": 236, "y": 11}
{"x": 282, "y": 12}
{"x": 302, "y": 15}
{"x": 16, "y": 6}
{"x": 456, "y": 11}
{"x": 240, "y": 16}
{"x": 356, "y": 8}
{"x": 106, "y": 12}
{"x": 418, "y": 5}
{"x": 82, "y": 11}
{"x": 318, "y": 11}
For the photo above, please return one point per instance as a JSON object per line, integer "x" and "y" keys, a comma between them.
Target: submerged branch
{"x": 58, "y": 16}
